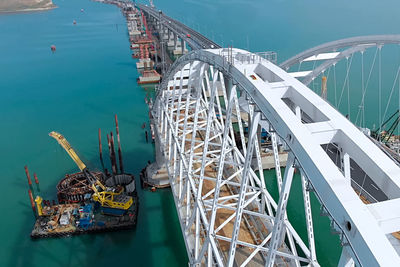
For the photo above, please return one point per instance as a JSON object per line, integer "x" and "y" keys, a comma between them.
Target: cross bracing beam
{"x": 281, "y": 101}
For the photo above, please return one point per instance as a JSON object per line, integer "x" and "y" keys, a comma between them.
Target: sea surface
{"x": 91, "y": 77}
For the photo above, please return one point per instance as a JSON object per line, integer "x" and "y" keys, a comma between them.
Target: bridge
{"x": 168, "y": 25}
{"x": 209, "y": 112}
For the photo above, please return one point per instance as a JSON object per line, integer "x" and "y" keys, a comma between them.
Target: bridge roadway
{"x": 195, "y": 41}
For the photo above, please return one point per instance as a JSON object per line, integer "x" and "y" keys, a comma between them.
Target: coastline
{"x": 26, "y": 10}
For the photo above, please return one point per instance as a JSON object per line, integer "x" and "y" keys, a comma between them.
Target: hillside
{"x": 25, "y": 5}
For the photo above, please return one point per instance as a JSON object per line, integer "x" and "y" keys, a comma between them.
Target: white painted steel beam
{"x": 300, "y": 74}
{"x": 387, "y": 213}
{"x": 322, "y": 56}
{"x": 270, "y": 90}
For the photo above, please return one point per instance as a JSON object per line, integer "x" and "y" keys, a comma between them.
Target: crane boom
{"x": 105, "y": 198}
{"x": 71, "y": 152}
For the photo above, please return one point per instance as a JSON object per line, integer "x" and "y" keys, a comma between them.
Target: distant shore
{"x": 33, "y": 8}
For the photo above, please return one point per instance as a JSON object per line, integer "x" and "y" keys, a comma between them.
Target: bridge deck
{"x": 252, "y": 229}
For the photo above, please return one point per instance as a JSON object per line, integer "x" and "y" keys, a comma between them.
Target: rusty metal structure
{"x": 73, "y": 187}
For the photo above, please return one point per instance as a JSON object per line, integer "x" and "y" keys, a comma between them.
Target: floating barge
{"x": 88, "y": 202}
{"x": 74, "y": 219}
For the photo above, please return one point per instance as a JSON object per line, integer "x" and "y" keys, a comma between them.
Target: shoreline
{"x": 26, "y": 10}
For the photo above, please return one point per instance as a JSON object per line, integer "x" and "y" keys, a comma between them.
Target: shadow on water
{"x": 156, "y": 240}
{"x": 175, "y": 235}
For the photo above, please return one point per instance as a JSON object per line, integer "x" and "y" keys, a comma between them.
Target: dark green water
{"x": 328, "y": 247}
{"x": 91, "y": 77}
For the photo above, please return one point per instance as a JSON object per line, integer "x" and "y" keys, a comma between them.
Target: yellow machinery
{"x": 38, "y": 201}
{"x": 107, "y": 199}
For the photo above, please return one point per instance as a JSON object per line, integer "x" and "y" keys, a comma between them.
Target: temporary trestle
{"x": 227, "y": 214}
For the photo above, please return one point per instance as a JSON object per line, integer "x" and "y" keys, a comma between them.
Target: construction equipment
{"x": 108, "y": 199}
{"x": 384, "y": 136}
{"x": 39, "y": 201}
{"x": 324, "y": 88}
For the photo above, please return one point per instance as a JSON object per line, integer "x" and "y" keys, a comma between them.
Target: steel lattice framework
{"x": 330, "y": 53}
{"x": 227, "y": 214}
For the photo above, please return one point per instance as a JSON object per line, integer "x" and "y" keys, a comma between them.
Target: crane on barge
{"x": 111, "y": 202}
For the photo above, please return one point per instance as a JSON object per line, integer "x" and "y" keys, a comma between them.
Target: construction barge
{"x": 74, "y": 219}
{"x": 88, "y": 202}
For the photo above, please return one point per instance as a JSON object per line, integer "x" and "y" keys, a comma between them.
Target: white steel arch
{"x": 330, "y": 53}
{"x": 226, "y": 212}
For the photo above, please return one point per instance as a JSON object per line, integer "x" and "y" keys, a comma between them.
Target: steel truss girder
{"x": 189, "y": 220}
{"x": 338, "y": 198}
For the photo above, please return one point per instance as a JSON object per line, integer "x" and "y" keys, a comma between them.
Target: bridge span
{"x": 227, "y": 213}
{"x": 167, "y": 25}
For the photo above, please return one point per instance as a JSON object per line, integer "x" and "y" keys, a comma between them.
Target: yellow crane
{"x": 108, "y": 199}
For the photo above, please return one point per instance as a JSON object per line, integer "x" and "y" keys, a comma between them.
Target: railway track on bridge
{"x": 196, "y": 39}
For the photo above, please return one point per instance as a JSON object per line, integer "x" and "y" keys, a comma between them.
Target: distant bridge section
{"x": 194, "y": 39}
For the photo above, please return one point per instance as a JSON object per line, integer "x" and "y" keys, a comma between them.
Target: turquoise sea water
{"x": 91, "y": 77}
{"x": 74, "y": 91}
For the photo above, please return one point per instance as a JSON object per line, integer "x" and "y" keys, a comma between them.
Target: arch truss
{"x": 227, "y": 213}
{"x": 326, "y": 55}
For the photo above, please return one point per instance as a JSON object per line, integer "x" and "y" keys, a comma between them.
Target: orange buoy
{"x": 53, "y": 48}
